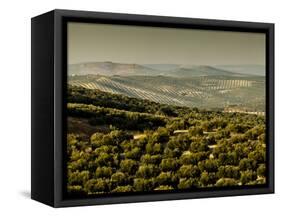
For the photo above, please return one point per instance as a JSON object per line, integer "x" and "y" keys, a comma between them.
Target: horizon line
{"x": 87, "y": 62}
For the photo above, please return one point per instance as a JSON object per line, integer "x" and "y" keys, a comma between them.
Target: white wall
{"x": 15, "y": 106}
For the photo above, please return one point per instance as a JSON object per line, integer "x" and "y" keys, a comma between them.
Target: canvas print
{"x": 154, "y": 109}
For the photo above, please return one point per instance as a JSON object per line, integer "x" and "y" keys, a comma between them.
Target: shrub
{"x": 151, "y": 159}
{"x": 189, "y": 171}
{"x": 119, "y": 136}
{"x": 141, "y": 184}
{"x": 75, "y": 189}
{"x": 121, "y": 189}
{"x": 198, "y": 146}
{"x": 128, "y": 166}
{"x": 96, "y": 186}
{"x": 208, "y": 178}
{"x": 226, "y": 182}
{"x": 168, "y": 164}
{"x": 166, "y": 178}
{"x": 164, "y": 188}
{"x": 78, "y": 178}
{"x": 103, "y": 172}
{"x": 135, "y": 153}
{"x": 196, "y": 131}
{"x": 119, "y": 178}
{"x": 104, "y": 159}
{"x": 246, "y": 164}
{"x": 147, "y": 171}
{"x": 96, "y": 139}
{"x": 160, "y": 136}
{"x": 188, "y": 183}
{"x": 209, "y": 165}
{"x": 261, "y": 171}
{"x": 228, "y": 172}
{"x": 258, "y": 156}
{"x": 248, "y": 176}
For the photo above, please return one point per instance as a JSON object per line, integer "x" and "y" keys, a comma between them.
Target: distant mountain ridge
{"x": 194, "y": 86}
{"x": 109, "y": 69}
{"x": 249, "y": 69}
{"x": 174, "y": 70}
{"x": 202, "y": 71}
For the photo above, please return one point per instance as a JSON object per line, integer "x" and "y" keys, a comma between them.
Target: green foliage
{"x": 164, "y": 188}
{"x": 119, "y": 178}
{"x": 246, "y": 164}
{"x": 248, "y": 176}
{"x": 188, "y": 171}
{"x": 139, "y": 146}
{"x": 166, "y": 178}
{"x": 96, "y": 186}
{"x": 229, "y": 172}
{"x": 160, "y": 136}
{"x": 151, "y": 159}
{"x": 135, "y": 153}
{"x": 224, "y": 182}
{"x": 78, "y": 178}
{"x": 258, "y": 156}
{"x": 207, "y": 179}
{"x": 198, "y": 146}
{"x": 147, "y": 171}
{"x": 103, "y": 172}
{"x": 104, "y": 159}
{"x": 188, "y": 183}
{"x": 192, "y": 158}
{"x": 75, "y": 189}
{"x": 121, "y": 189}
{"x": 196, "y": 131}
{"x": 209, "y": 165}
{"x": 261, "y": 171}
{"x": 118, "y": 118}
{"x": 128, "y": 166}
{"x": 238, "y": 128}
{"x": 141, "y": 184}
{"x": 169, "y": 164}
{"x": 108, "y": 100}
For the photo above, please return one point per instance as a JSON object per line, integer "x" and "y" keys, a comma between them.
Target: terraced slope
{"x": 202, "y": 91}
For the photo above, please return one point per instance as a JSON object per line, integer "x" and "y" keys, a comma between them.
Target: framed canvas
{"x": 134, "y": 108}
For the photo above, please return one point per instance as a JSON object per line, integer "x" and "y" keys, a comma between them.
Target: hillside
{"x": 198, "y": 71}
{"x": 105, "y": 99}
{"x": 212, "y": 91}
{"x": 258, "y": 70}
{"x": 118, "y": 144}
{"x": 109, "y": 69}
{"x": 173, "y": 70}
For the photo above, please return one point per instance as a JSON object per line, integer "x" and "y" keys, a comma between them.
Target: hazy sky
{"x": 149, "y": 45}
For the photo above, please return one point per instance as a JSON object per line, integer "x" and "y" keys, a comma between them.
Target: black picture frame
{"x": 49, "y": 71}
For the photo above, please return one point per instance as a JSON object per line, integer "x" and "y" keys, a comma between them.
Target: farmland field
{"x": 134, "y": 134}
{"x": 210, "y": 88}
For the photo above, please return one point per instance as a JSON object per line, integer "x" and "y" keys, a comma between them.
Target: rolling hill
{"x": 258, "y": 70}
{"x": 203, "y": 92}
{"x": 182, "y": 85}
{"x": 110, "y": 68}
{"x": 173, "y": 70}
{"x": 196, "y": 71}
